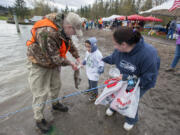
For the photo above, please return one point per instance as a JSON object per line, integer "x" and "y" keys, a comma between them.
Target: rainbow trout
{"x": 77, "y": 78}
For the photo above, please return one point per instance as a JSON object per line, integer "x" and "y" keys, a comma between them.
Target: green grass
{"x": 3, "y": 18}
{"x": 145, "y": 32}
{"x": 54, "y": 131}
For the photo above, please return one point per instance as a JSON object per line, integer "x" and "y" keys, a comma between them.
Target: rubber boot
{"x": 60, "y": 107}
{"x": 43, "y": 126}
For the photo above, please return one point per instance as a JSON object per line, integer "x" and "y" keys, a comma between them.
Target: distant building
{"x": 26, "y": 20}
{"x": 3, "y": 12}
{"x": 36, "y": 18}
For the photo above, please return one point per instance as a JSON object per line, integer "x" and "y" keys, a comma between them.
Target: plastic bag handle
{"x": 112, "y": 84}
{"x": 131, "y": 90}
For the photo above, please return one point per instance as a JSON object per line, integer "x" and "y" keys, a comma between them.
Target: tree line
{"x": 100, "y": 8}
{"x": 105, "y": 8}
{"x": 40, "y": 8}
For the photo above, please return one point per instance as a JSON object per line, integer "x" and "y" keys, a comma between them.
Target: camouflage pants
{"x": 43, "y": 82}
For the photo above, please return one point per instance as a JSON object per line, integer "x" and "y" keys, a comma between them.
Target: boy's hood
{"x": 93, "y": 42}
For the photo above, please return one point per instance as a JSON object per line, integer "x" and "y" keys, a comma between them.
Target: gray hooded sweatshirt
{"x": 93, "y": 61}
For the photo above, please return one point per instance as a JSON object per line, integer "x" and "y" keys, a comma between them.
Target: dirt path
{"x": 159, "y": 111}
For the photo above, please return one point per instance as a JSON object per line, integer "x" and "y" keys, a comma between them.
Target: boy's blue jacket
{"x": 143, "y": 61}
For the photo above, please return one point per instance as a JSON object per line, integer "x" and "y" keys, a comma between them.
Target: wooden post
{"x": 16, "y": 22}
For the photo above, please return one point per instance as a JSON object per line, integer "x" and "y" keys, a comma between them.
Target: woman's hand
{"x": 120, "y": 77}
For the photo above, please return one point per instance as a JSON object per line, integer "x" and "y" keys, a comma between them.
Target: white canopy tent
{"x": 111, "y": 18}
{"x": 163, "y": 9}
{"x": 83, "y": 19}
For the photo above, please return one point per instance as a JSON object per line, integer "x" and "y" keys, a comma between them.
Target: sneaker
{"x": 127, "y": 126}
{"x": 177, "y": 73}
{"x": 87, "y": 93}
{"x": 109, "y": 112}
{"x": 43, "y": 126}
{"x": 60, "y": 107}
{"x": 170, "y": 70}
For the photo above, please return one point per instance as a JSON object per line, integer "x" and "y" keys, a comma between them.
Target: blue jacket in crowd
{"x": 143, "y": 61}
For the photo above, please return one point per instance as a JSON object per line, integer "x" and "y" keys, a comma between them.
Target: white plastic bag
{"x": 114, "y": 72}
{"x": 126, "y": 103}
{"x": 109, "y": 92}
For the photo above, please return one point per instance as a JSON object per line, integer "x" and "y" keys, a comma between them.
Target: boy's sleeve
{"x": 100, "y": 64}
{"x": 100, "y": 61}
{"x": 85, "y": 59}
{"x": 110, "y": 59}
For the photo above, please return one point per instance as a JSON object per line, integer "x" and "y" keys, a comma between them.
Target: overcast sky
{"x": 59, "y": 3}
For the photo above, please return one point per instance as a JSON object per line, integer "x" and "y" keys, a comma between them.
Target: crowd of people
{"x": 115, "y": 23}
{"x": 98, "y": 23}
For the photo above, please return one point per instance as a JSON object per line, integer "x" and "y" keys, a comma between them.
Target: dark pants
{"x": 93, "y": 84}
{"x": 133, "y": 121}
{"x": 170, "y": 32}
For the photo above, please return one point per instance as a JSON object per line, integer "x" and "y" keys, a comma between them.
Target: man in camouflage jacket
{"x": 45, "y": 58}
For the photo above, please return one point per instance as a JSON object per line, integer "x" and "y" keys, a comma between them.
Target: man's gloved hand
{"x": 100, "y": 70}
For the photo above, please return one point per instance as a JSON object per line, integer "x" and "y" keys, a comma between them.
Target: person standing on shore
{"x": 133, "y": 56}
{"x": 167, "y": 26}
{"x": 47, "y": 49}
{"x": 172, "y": 29}
{"x": 177, "y": 53}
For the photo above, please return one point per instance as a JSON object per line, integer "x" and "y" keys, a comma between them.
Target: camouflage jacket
{"x": 45, "y": 51}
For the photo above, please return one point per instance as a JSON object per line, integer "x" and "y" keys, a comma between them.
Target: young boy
{"x": 94, "y": 65}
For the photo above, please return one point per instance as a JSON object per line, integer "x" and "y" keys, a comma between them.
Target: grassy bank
{"x": 145, "y": 32}
{"x": 3, "y": 18}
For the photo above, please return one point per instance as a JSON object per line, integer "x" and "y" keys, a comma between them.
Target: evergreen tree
{"x": 138, "y": 5}
{"x": 20, "y": 8}
{"x": 66, "y": 10}
{"x": 104, "y": 8}
{"x": 116, "y": 7}
{"x": 147, "y": 5}
{"x": 55, "y": 9}
{"x": 42, "y": 8}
